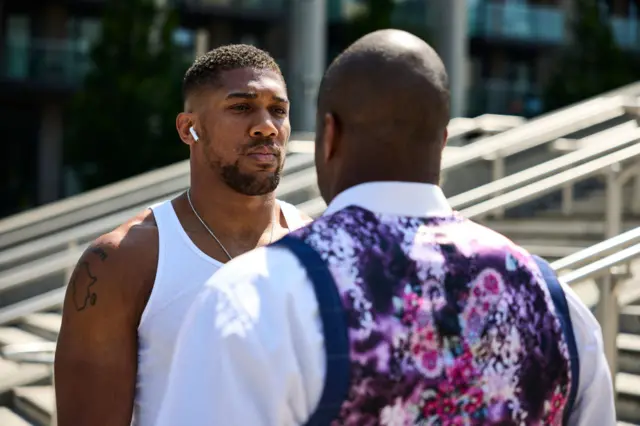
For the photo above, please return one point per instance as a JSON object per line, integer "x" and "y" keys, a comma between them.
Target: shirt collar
{"x": 394, "y": 198}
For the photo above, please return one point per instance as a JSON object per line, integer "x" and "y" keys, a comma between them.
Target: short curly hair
{"x": 206, "y": 69}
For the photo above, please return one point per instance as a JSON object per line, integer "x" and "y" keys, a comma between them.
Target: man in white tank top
{"x": 132, "y": 287}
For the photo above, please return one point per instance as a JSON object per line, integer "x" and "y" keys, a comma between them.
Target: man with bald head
{"x": 390, "y": 309}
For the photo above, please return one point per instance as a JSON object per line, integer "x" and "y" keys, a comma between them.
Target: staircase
{"x": 28, "y": 397}
{"x": 26, "y": 391}
{"x": 541, "y": 227}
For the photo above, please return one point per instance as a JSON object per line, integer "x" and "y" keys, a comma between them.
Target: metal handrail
{"x": 542, "y": 130}
{"x": 44, "y": 266}
{"x": 551, "y": 184}
{"x": 601, "y": 267}
{"x": 111, "y": 198}
{"x": 608, "y": 305}
{"x": 291, "y": 183}
{"x": 83, "y": 207}
{"x": 510, "y": 199}
{"x": 50, "y": 300}
{"x": 34, "y": 352}
{"x": 599, "y": 250}
{"x": 538, "y": 131}
{"x": 596, "y": 145}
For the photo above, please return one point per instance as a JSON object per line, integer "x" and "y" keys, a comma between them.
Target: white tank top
{"x": 182, "y": 271}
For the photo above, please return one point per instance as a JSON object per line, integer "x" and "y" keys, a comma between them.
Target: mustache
{"x": 268, "y": 143}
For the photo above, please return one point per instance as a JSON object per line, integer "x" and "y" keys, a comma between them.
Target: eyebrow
{"x": 253, "y": 95}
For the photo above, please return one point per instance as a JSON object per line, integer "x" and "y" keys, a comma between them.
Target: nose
{"x": 264, "y": 127}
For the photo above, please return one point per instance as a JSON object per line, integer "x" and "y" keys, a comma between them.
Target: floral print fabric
{"x": 450, "y": 323}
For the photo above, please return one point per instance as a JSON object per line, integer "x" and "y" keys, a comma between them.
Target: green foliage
{"x": 122, "y": 122}
{"x": 381, "y": 14}
{"x": 592, "y": 63}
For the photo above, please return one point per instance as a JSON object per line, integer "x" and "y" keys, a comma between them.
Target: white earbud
{"x": 193, "y": 133}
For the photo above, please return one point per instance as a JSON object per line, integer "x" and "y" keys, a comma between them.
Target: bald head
{"x": 390, "y": 86}
{"x": 383, "y": 110}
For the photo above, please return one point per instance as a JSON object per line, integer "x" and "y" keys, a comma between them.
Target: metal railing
{"x": 543, "y": 130}
{"x": 609, "y": 165}
{"x": 529, "y": 135}
{"x": 145, "y": 188}
{"x": 595, "y": 145}
{"x": 81, "y": 208}
{"x": 70, "y": 237}
{"x": 608, "y": 271}
{"x": 70, "y": 243}
{"x": 131, "y": 196}
{"x": 548, "y": 127}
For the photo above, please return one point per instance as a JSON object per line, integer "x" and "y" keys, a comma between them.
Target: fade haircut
{"x": 387, "y": 89}
{"x": 206, "y": 69}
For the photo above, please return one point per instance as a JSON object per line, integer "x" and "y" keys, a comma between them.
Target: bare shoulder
{"x": 118, "y": 268}
{"x": 305, "y": 217}
{"x": 132, "y": 242}
{"x": 96, "y": 353}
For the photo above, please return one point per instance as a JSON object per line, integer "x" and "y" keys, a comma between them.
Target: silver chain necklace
{"x": 193, "y": 209}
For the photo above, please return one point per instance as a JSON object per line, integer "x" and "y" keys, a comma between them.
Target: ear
{"x": 184, "y": 121}
{"x": 445, "y": 137}
{"x": 331, "y": 133}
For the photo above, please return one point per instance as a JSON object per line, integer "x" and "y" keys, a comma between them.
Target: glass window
{"x": 18, "y": 41}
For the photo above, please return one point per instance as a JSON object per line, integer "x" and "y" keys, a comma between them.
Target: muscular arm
{"x": 96, "y": 356}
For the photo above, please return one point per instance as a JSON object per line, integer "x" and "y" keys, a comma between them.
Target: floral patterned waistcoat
{"x": 433, "y": 321}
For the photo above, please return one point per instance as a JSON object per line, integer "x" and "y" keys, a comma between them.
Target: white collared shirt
{"x": 251, "y": 350}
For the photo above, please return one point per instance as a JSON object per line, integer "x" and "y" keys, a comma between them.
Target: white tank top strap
{"x": 165, "y": 217}
{"x": 291, "y": 215}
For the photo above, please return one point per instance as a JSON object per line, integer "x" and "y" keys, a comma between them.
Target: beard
{"x": 248, "y": 183}
{"x": 252, "y": 184}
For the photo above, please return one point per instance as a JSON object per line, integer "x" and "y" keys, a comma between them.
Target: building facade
{"x": 44, "y": 48}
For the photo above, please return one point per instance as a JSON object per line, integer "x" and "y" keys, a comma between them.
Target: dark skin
{"x": 389, "y": 126}
{"x": 97, "y": 350}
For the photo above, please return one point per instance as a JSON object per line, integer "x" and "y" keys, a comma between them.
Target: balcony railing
{"x": 517, "y": 21}
{"x": 233, "y": 5}
{"x": 626, "y": 32}
{"x": 46, "y": 61}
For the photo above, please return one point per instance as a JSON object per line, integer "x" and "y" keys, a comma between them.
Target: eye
{"x": 240, "y": 107}
{"x": 280, "y": 111}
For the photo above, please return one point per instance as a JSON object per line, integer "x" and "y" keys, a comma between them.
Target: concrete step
{"x": 595, "y": 203}
{"x": 16, "y": 336}
{"x": 35, "y": 403}
{"x": 9, "y": 418}
{"x": 14, "y": 374}
{"x": 45, "y": 325}
{"x": 629, "y": 353}
{"x": 628, "y": 403}
{"x": 630, "y": 319}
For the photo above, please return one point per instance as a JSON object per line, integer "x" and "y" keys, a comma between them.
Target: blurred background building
{"x": 544, "y": 141}
{"x": 501, "y": 53}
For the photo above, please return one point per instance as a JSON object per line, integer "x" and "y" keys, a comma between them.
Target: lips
{"x": 263, "y": 154}
{"x": 264, "y": 150}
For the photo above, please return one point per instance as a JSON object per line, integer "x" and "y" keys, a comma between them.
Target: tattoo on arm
{"x": 99, "y": 252}
{"x": 82, "y": 283}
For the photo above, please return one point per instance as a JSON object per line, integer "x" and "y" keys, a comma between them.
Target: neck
{"x": 358, "y": 174}
{"x": 229, "y": 212}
